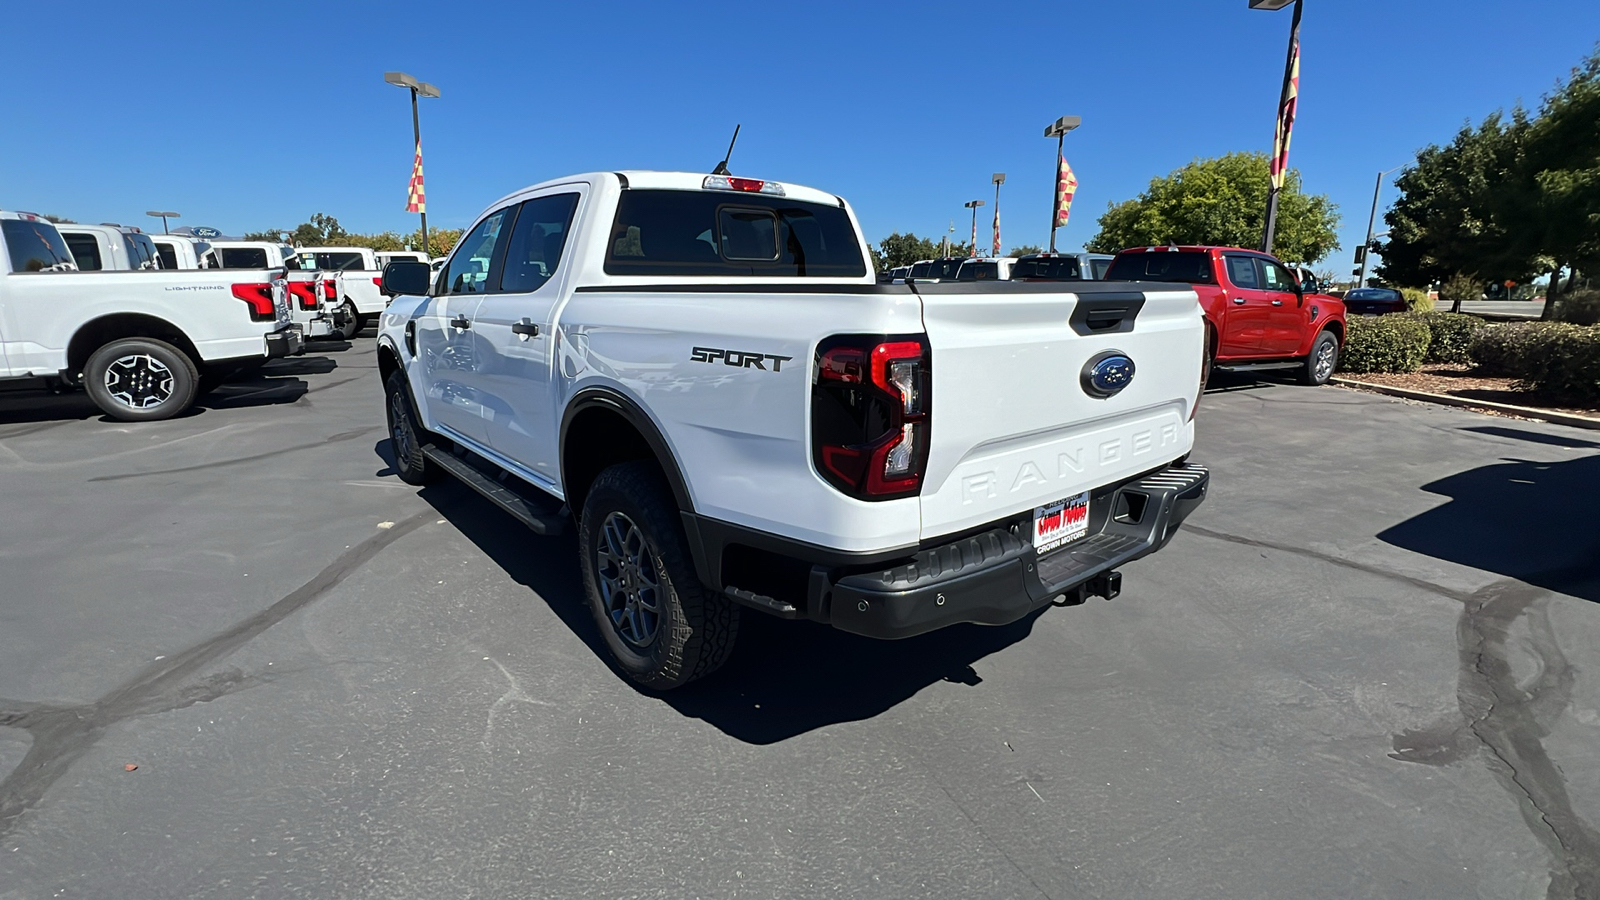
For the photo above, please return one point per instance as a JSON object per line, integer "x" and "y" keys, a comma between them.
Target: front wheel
{"x": 141, "y": 380}
{"x": 1324, "y": 358}
{"x": 406, "y": 434}
{"x": 662, "y": 626}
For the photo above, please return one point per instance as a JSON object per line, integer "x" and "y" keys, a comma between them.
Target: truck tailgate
{"x": 1013, "y": 426}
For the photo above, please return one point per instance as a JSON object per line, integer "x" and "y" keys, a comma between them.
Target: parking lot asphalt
{"x": 1366, "y": 667}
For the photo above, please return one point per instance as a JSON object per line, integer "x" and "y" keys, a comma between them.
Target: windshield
{"x": 34, "y": 246}
{"x": 1099, "y": 267}
{"x": 1185, "y": 266}
{"x": 1047, "y": 268}
{"x": 920, "y": 270}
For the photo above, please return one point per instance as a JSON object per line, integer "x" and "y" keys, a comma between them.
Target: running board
{"x": 541, "y": 513}
{"x": 1253, "y": 367}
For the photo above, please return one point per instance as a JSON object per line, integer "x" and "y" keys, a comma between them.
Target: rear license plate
{"x": 1061, "y": 522}
{"x": 1369, "y": 315}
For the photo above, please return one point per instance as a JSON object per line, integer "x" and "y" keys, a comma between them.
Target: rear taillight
{"x": 869, "y": 414}
{"x": 259, "y": 297}
{"x": 305, "y": 292}
{"x": 330, "y": 290}
{"x": 378, "y": 282}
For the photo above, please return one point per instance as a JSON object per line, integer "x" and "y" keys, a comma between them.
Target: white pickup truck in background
{"x": 111, "y": 248}
{"x": 360, "y": 298}
{"x": 313, "y": 303}
{"x": 702, "y": 372}
{"x": 181, "y": 251}
{"x": 388, "y": 256}
{"x": 143, "y": 344}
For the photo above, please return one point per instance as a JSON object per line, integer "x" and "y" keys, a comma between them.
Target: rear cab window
{"x": 1180, "y": 266}
{"x": 1047, "y": 268}
{"x": 979, "y": 271}
{"x": 243, "y": 258}
{"x": 338, "y": 261}
{"x": 675, "y": 232}
{"x": 34, "y": 246}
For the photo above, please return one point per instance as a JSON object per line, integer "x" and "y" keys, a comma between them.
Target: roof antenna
{"x": 722, "y": 167}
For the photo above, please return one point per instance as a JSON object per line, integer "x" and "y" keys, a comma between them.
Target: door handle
{"x": 461, "y": 322}
{"x": 1239, "y": 300}
{"x": 1277, "y": 303}
{"x": 525, "y": 328}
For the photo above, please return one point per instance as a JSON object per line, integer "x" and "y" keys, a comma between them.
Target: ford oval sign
{"x": 1107, "y": 373}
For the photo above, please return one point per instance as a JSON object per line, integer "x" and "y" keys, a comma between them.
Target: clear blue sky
{"x": 247, "y": 116}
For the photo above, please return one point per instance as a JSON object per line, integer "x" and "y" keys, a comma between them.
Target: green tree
{"x": 1563, "y": 157}
{"x": 321, "y": 230}
{"x": 1222, "y": 201}
{"x": 902, "y": 250}
{"x": 273, "y": 235}
{"x": 1025, "y": 249}
{"x": 60, "y": 220}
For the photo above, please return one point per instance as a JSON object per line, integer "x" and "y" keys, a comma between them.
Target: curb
{"x": 1526, "y": 412}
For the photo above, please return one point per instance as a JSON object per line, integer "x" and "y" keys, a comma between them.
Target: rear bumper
{"x": 995, "y": 577}
{"x": 286, "y": 342}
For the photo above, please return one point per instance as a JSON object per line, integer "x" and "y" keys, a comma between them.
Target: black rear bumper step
{"x": 532, "y": 507}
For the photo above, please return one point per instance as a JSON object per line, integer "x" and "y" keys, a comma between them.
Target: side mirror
{"x": 406, "y": 277}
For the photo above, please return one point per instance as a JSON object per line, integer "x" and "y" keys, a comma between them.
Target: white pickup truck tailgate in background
{"x": 1012, "y": 428}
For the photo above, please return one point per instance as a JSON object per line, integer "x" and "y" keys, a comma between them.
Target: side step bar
{"x": 533, "y": 508}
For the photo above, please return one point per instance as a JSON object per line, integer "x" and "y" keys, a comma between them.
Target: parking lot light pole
{"x": 1058, "y": 130}
{"x": 1283, "y": 98}
{"x": 1366, "y": 248}
{"x": 973, "y": 205}
{"x": 163, "y": 215}
{"x": 422, "y": 89}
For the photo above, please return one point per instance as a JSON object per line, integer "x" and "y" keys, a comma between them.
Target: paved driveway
{"x": 1365, "y": 668}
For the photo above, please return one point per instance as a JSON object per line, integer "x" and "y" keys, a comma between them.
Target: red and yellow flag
{"x": 417, "y": 201}
{"x": 1278, "y": 168}
{"x": 1066, "y": 186}
{"x": 997, "y": 228}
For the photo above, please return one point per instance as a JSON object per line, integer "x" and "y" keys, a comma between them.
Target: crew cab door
{"x": 1286, "y": 316}
{"x": 450, "y": 352}
{"x": 516, "y": 322}
{"x": 1248, "y": 307}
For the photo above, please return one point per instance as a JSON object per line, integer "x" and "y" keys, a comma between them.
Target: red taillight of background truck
{"x": 870, "y": 414}
{"x": 259, "y": 298}
{"x": 305, "y": 292}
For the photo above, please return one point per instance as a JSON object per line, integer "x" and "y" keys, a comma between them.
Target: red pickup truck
{"x": 1257, "y": 315}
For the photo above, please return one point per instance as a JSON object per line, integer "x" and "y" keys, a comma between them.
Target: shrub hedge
{"x": 1580, "y": 308}
{"x": 1417, "y": 299}
{"x": 1451, "y": 335}
{"x": 1558, "y": 358}
{"x": 1396, "y": 343}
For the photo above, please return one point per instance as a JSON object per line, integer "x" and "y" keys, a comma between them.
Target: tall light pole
{"x": 1283, "y": 101}
{"x": 998, "y": 179}
{"x": 163, "y": 215}
{"x": 1366, "y": 248}
{"x": 1058, "y": 130}
{"x": 973, "y": 205}
{"x": 423, "y": 89}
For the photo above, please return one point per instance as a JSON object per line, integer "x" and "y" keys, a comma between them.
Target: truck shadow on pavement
{"x": 784, "y": 678}
{"x": 1532, "y": 521}
{"x": 270, "y": 385}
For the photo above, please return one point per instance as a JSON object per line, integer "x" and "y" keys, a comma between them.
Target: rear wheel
{"x": 141, "y": 380}
{"x": 352, "y": 321}
{"x": 663, "y": 627}
{"x": 406, "y": 436}
{"x": 1324, "y": 358}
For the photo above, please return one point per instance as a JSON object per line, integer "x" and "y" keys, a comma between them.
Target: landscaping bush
{"x": 1581, "y": 308}
{"x": 1503, "y": 350}
{"x": 1451, "y": 335}
{"x": 1417, "y": 299}
{"x": 1556, "y": 358}
{"x": 1385, "y": 344}
{"x": 1460, "y": 288}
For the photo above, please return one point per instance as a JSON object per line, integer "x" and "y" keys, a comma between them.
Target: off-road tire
{"x": 1320, "y": 363}
{"x": 352, "y": 321}
{"x": 695, "y": 627}
{"x": 406, "y": 436}
{"x": 149, "y": 380}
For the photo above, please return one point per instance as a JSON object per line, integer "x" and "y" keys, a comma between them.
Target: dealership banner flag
{"x": 997, "y": 228}
{"x": 1066, "y": 186}
{"x": 1279, "y": 166}
{"x": 417, "y": 201}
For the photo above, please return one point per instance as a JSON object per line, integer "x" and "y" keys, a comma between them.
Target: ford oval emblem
{"x": 1107, "y": 373}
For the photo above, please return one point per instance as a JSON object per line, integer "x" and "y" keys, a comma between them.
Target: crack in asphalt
{"x": 233, "y": 461}
{"x": 1497, "y": 715}
{"x": 63, "y": 734}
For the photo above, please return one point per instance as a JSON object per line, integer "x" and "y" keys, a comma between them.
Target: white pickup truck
{"x": 181, "y": 251}
{"x": 702, "y": 372}
{"x": 360, "y": 299}
{"x": 112, "y": 248}
{"x": 313, "y": 303}
{"x": 143, "y": 344}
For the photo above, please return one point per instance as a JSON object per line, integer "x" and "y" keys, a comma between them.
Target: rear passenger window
{"x": 536, "y": 242}
{"x": 1242, "y": 272}
{"x": 468, "y": 272}
{"x": 663, "y": 232}
{"x": 86, "y": 250}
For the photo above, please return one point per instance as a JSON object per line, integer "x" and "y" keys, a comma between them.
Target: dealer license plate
{"x": 1061, "y": 522}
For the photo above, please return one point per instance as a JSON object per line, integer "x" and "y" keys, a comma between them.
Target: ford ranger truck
{"x": 143, "y": 344}
{"x": 701, "y": 374}
{"x": 1257, "y": 314}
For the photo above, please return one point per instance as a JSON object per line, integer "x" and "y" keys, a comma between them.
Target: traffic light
{"x": 1361, "y": 253}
